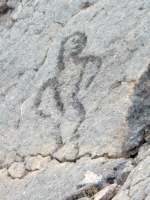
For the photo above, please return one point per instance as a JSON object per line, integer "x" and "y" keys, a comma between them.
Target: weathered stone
{"x": 17, "y": 170}
{"x": 74, "y": 87}
{"x": 123, "y": 172}
{"x": 36, "y": 163}
{"x": 86, "y": 191}
{"x": 138, "y": 116}
{"x": 143, "y": 152}
{"x": 92, "y": 178}
{"x": 137, "y": 183}
{"x": 107, "y": 193}
{"x": 122, "y": 195}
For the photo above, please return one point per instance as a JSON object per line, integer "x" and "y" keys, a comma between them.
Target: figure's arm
{"x": 92, "y": 65}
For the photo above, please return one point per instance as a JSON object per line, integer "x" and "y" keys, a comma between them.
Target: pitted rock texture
{"x": 72, "y": 75}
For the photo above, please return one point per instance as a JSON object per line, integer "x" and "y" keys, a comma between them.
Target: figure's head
{"x": 75, "y": 43}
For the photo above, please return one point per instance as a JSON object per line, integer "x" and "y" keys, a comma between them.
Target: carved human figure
{"x": 76, "y": 73}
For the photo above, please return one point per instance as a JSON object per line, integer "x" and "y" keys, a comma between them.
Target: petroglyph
{"x": 75, "y": 73}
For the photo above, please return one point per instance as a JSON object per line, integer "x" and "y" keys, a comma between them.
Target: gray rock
{"x": 107, "y": 193}
{"x": 92, "y": 178}
{"x": 73, "y": 74}
{"x": 36, "y": 163}
{"x": 138, "y": 115}
{"x": 17, "y": 170}
{"x": 123, "y": 173}
{"x": 86, "y": 191}
{"x": 143, "y": 152}
{"x": 137, "y": 183}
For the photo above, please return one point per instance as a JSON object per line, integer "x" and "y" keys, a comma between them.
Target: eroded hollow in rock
{"x": 138, "y": 118}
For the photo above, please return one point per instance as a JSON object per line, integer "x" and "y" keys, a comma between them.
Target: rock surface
{"x": 74, "y": 97}
{"x": 107, "y": 193}
{"x": 17, "y": 170}
{"x": 86, "y": 191}
{"x": 137, "y": 184}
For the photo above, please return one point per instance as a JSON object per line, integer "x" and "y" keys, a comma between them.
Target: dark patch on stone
{"x": 141, "y": 8}
{"x": 122, "y": 174}
{"x": 138, "y": 117}
{"x": 55, "y": 86}
{"x": 122, "y": 171}
{"x": 121, "y": 178}
{"x": 85, "y": 5}
{"x": 4, "y": 9}
{"x": 86, "y": 191}
{"x": 134, "y": 140}
{"x": 42, "y": 114}
{"x": 134, "y": 156}
{"x": 110, "y": 179}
